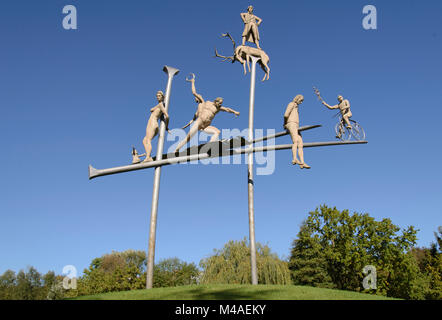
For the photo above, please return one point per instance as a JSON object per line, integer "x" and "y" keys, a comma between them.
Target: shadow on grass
{"x": 240, "y": 293}
{"x": 233, "y": 292}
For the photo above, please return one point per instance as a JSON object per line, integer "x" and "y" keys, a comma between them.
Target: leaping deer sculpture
{"x": 242, "y": 55}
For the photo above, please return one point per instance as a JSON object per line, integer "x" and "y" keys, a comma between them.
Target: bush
{"x": 231, "y": 265}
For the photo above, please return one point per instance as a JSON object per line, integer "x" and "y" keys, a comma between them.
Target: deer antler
{"x": 231, "y": 58}
{"x": 233, "y": 41}
{"x": 223, "y": 57}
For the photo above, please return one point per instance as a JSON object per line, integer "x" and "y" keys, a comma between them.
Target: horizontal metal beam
{"x": 94, "y": 173}
{"x": 284, "y": 133}
{"x": 305, "y": 145}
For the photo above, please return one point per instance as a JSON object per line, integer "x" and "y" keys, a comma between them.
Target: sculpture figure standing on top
{"x": 203, "y": 116}
{"x": 251, "y": 24}
{"x": 156, "y": 113}
{"x": 291, "y": 124}
{"x": 243, "y": 53}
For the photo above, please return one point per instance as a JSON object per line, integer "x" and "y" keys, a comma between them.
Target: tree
{"x": 8, "y": 281}
{"x": 334, "y": 246}
{"x": 53, "y": 285}
{"x": 121, "y": 271}
{"x": 429, "y": 261}
{"x": 308, "y": 262}
{"x": 117, "y": 271}
{"x": 174, "y": 272}
{"x": 29, "y": 285}
{"x": 231, "y": 265}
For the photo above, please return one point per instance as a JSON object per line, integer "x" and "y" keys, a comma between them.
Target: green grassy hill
{"x": 235, "y": 292}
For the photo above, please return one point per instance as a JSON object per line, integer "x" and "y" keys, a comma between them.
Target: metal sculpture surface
{"x": 152, "y": 128}
{"x": 291, "y": 123}
{"x": 204, "y": 115}
{"x": 243, "y": 55}
{"x": 251, "y": 24}
{"x": 346, "y": 128}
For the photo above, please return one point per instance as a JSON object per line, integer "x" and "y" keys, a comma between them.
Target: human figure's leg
{"x": 347, "y": 121}
{"x": 341, "y": 129}
{"x": 148, "y": 147}
{"x": 294, "y": 135}
{"x": 303, "y": 165}
{"x": 192, "y": 131}
{"x": 214, "y": 131}
{"x": 255, "y": 34}
{"x": 245, "y": 34}
{"x": 147, "y": 142}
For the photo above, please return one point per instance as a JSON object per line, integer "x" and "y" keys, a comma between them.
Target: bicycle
{"x": 345, "y": 134}
{"x": 342, "y": 132}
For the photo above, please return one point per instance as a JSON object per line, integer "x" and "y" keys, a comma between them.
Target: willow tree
{"x": 231, "y": 265}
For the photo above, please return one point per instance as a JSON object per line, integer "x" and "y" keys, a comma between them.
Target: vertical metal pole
{"x": 250, "y": 176}
{"x": 171, "y": 72}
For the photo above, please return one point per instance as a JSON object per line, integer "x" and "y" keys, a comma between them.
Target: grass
{"x": 234, "y": 292}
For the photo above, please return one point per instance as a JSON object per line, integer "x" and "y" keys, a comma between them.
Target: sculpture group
{"x": 345, "y": 129}
{"x": 207, "y": 110}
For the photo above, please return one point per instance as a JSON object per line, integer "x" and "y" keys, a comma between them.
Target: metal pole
{"x": 250, "y": 176}
{"x": 171, "y": 72}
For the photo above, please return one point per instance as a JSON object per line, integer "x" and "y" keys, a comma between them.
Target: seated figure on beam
{"x": 152, "y": 128}
{"x": 204, "y": 115}
{"x": 291, "y": 124}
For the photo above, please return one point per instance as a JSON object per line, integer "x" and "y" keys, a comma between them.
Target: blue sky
{"x": 73, "y": 98}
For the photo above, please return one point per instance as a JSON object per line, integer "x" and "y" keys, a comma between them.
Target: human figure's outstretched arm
{"x": 197, "y": 95}
{"x": 225, "y": 109}
{"x": 329, "y": 106}
{"x": 259, "y": 21}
